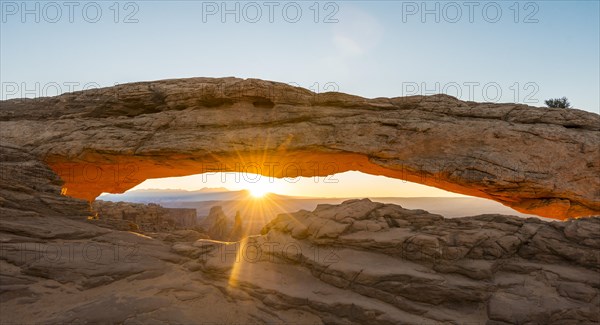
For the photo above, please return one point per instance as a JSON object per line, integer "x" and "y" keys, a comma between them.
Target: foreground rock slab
{"x": 536, "y": 160}
{"x": 375, "y": 263}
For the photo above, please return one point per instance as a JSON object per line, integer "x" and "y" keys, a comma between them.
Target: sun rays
{"x": 259, "y": 190}
{"x": 249, "y": 251}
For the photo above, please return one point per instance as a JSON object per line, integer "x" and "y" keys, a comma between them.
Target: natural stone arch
{"x": 535, "y": 160}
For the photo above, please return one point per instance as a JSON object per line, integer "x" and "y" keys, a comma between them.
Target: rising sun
{"x": 258, "y": 190}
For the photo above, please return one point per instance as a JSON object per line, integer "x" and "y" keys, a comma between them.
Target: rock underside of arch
{"x": 536, "y": 160}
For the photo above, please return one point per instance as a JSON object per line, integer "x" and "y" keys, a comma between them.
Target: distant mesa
{"x": 142, "y": 217}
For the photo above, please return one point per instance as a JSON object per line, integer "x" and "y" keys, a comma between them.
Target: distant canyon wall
{"x": 147, "y": 217}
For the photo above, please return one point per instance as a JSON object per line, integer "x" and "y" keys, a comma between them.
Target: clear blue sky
{"x": 377, "y": 48}
{"x": 529, "y": 52}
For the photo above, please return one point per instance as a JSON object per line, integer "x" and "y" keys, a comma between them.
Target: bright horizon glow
{"x": 350, "y": 184}
{"x": 258, "y": 191}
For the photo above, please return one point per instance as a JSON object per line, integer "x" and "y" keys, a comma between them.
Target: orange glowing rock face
{"x": 93, "y": 174}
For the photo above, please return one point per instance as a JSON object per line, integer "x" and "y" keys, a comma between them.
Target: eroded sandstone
{"x": 536, "y": 160}
{"x": 142, "y": 217}
{"x": 375, "y": 263}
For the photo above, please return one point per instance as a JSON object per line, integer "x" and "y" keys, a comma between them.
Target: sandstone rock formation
{"x": 148, "y": 217}
{"x": 29, "y": 188}
{"x": 537, "y": 160}
{"x": 216, "y": 224}
{"x": 368, "y": 262}
{"x": 375, "y": 263}
{"x": 358, "y": 262}
{"x": 219, "y": 227}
